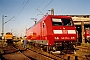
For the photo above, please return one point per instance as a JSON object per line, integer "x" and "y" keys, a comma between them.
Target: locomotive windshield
{"x": 67, "y": 22}
{"x": 61, "y": 22}
{"x": 56, "y": 22}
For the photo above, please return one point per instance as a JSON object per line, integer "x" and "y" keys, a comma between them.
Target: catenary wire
{"x": 45, "y": 7}
{"x": 48, "y": 4}
{"x": 21, "y": 9}
{"x": 38, "y": 7}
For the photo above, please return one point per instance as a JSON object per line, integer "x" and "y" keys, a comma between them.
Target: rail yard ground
{"x": 17, "y": 52}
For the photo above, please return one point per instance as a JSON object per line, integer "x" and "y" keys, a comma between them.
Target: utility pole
{"x": 26, "y": 32}
{"x": 83, "y": 38}
{"x": 3, "y": 29}
{"x": 3, "y": 26}
{"x": 11, "y": 30}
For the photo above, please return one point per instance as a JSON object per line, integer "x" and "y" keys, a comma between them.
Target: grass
{"x": 86, "y": 45}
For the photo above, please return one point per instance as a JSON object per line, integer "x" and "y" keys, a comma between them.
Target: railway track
{"x": 12, "y": 53}
{"x": 78, "y": 55}
{"x": 58, "y": 56}
{"x": 17, "y": 52}
{"x": 28, "y": 54}
{"x": 81, "y": 53}
{"x": 43, "y": 53}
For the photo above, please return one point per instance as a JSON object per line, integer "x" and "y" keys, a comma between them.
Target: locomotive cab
{"x": 64, "y": 32}
{"x": 9, "y": 37}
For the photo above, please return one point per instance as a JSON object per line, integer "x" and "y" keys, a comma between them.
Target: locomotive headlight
{"x": 56, "y": 37}
{"x": 47, "y": 44}
{"x": 71, "y": 32}
{"x": 72, "y": 37}
{"x": 57, "y": 31}
{"x": 88, "y": 36}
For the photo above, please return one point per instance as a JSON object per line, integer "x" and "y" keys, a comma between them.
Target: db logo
{"x": 65, "y": 31}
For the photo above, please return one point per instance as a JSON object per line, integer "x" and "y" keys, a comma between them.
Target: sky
{"x": 24, "y": 10}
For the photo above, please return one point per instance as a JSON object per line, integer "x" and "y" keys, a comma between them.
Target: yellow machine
{"x": 9, "y": 37}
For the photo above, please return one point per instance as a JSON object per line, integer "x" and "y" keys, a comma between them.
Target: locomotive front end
{"x": 64, "y": 33}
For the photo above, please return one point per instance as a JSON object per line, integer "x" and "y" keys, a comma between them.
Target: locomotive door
{"x": 42, "y": 25}
{"x": 43, "y": 30}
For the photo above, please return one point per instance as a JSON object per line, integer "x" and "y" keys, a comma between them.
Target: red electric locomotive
{"x": 87, "y": 35}
{"x": 56, "y": 31}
